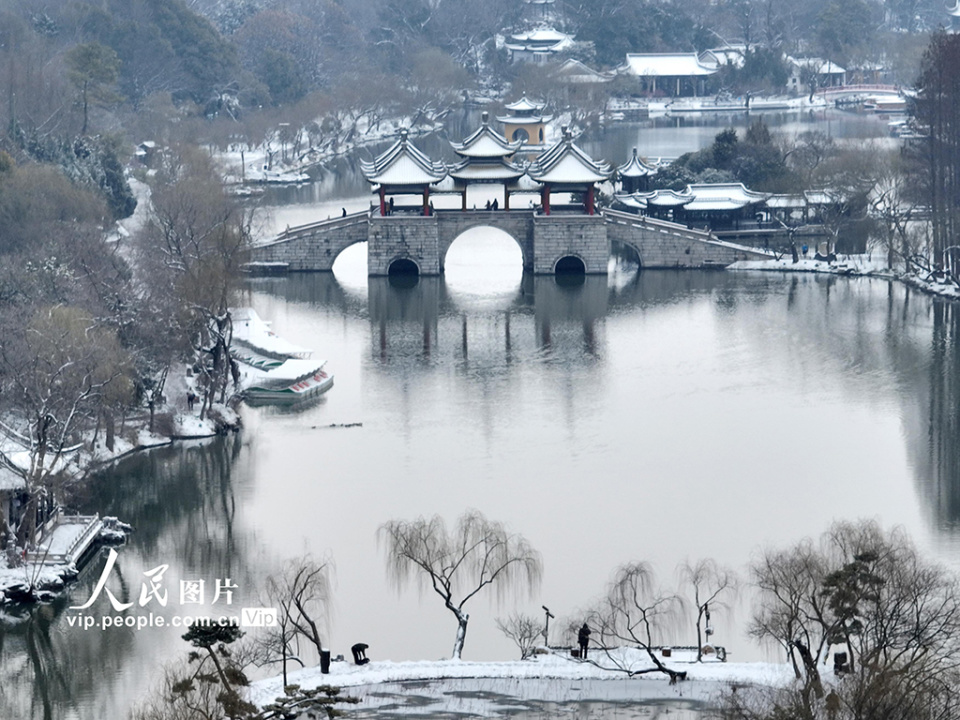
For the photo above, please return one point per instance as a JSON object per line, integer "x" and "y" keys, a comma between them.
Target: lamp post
{"x": 546, "y": 626}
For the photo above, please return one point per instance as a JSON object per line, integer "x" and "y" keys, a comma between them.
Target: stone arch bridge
{"x": 544, "y": 241}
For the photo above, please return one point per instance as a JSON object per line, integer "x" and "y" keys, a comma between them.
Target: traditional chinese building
{"x": 661, "y": 204}
{"x": 403, "y": 170}
{"x": 813, "y": 70}
{"x": 525, "y": 122}
{"x": 537, "y": 46}
{"x": 635, "y": 174}
{"x": 566, "y": 168}
{"x": 674, "y": 74}
{"x": 486, "y": 160}
{"x": 720, "y": 206}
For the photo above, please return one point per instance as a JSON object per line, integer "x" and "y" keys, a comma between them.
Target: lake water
{"x": 660, "y": 416}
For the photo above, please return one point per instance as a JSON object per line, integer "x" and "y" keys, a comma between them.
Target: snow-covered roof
{"x": 524, "y": 105}
{"x": 566, "y": 164}
{"x": 631, "y": 200}
{"x": 403, "y": 164}
{"x": 818, "y": 65}
{"x": 664, "y": 198}
{"x": 524, "y": 119}
{"x": 786, "y": 201}
{"x": 731, "y": 55}
{"x": 9, "y": 480}
{"x": 485, "y": 142}
{"x": 666, "y": 65}
{"x": 722, "y": 196}
{"x": 574, "y": 71}
{"x": 250, "y": 330}
{"x": 636, "y": 167}
{"x": 955, "y": 10}
{"x": 822, "y": 197}
{"x": 499, "y": 170}
{"x": 544, "y": 39}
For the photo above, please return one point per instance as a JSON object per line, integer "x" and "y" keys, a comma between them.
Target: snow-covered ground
{"x": 843, "y": 265}
{"x": 858, "y": 265}
{"x": 520, "y": 677}
{"x": 254, "y": 165}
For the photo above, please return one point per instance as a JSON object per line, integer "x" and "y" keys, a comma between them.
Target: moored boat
{"x": 292, "y": 381}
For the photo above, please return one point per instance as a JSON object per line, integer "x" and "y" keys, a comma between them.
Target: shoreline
{"x": 849, "y": 267}
{"x": 550, "y": 677}
{"x": 49, "y": 580}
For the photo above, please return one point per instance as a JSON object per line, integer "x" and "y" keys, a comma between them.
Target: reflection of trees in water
{"x": 940, "y": 475}
{"x": 853, "y": 334}
{"x": 874, "y": 340}
{"x": 182, "y": 505}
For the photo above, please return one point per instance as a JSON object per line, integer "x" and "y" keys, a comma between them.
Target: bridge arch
{"x": 570, "y": 265}
{"x": 403, "y": 265}
{"x": 517, "y": 225}
{"x": 524, "y": 247}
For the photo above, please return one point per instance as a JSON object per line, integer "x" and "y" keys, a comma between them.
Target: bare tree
{"x": 869, "y": 592}
{"x": 301, "y": 593}
{"x": 55, "y": 375}
{"x": 635, "y": 613}
{"x": 523, "y": 630}
{"x": 457, "y": 565}
{"x": 712, "y": 585}
{"x": 192, "y": 250}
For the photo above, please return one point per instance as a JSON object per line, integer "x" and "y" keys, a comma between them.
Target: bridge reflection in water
{"x": 549, "y": 316}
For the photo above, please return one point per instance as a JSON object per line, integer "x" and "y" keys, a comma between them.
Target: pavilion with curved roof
{"x": 403, "y": 169}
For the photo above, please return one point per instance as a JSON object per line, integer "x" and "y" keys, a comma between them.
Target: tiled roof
{"x": 565, "y": 163}
{"x": 722, "y": 196}
{"x": 635, "y": 167}
{"x": 524, "y": 104}
{"x": 499, "y": 170}
{"x": 666, "y": 65}
{"x": 665, "y": 198}
{"x": 403, "y": 164}
{"x": 485, "y": 142}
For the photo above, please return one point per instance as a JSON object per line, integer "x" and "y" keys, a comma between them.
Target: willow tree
{"x": 938, "y": 111}
{"x": 458, "y": 564}
{"x": 635, "y": 613}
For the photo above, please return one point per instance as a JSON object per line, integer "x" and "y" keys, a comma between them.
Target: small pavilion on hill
{"x": 635, "y": 174}
{"x": 564, "y": 167}
{"x": 403, "y": 170}
{"x": 525, "y": 121}
{"x": 485, "y": 155}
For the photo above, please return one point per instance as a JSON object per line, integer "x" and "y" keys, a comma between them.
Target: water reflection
{"x": 695, "y": 401}
{"x": 544, "y": 316}
{"x": 936, "y": 452}
{"x": 183, "y": 505}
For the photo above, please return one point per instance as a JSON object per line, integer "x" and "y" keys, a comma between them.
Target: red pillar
{"x": 546, "y": 199}
{"x": 463, "y": 202}
{"x": 590, "y": 200}
{"x": 506, "y": 197}
{"x": 426, "y": 201}
{"x": 383, "y": 202}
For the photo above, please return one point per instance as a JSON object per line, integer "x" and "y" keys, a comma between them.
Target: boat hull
{"x": 301, "y": 390}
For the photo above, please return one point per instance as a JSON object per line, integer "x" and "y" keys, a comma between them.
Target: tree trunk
{"x": 110, "y": 430}
{"x": 462, "y": 619}
{"x": 28, "y": 521}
